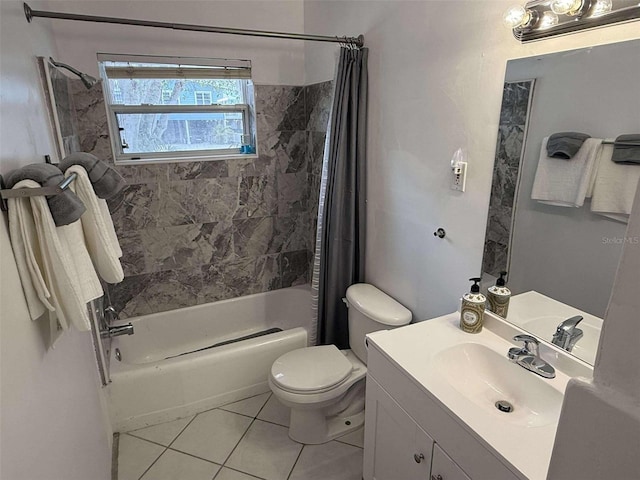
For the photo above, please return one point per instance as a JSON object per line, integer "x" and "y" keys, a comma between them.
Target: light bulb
{"x": 516, "y": 16}
{"x": 548, "y": 19}
{"x": 601, "y": 7}
{"x": 565, "y": 7}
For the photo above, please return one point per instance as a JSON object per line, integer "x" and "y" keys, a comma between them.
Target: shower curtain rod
{"x": 29, "y": 13}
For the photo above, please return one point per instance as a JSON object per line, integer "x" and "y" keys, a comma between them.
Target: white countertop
{"x": 413, "y": 349}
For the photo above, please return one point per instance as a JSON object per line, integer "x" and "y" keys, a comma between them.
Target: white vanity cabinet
{"x": 409, "y": 435}
{"x": 397, "y": 448}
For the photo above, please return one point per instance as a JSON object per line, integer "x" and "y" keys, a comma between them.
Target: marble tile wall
{"x": 198, "y": 232}
{"x": 511, "y": 132}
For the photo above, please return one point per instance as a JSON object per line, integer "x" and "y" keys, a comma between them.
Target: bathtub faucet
{"x": 117, "y": 331}
{"x": 107, "y": 331}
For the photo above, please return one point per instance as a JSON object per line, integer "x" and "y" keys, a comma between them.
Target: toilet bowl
{"x": 324, "y": 386}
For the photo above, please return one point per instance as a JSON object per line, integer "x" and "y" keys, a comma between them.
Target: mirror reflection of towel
{"x": 565, "y": 183}
{"x": 565, "y": 144}
{"x": 629, "y": 154}
{"x": 615, "y": 186}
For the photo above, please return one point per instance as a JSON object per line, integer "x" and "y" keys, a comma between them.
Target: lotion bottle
{"x": 498, "y": 297}
{"x": 472, "y": 309}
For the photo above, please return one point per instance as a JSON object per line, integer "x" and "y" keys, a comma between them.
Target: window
{"x": 203, "y": 98}
{"x": 170, "y": 109}
{"x": 117, "y": 94}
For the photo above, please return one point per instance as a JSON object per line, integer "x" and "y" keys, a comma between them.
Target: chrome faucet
{"x": 107, "y": 331}
{"x": 528, "y": 356}
{"x": 567, "y": 333}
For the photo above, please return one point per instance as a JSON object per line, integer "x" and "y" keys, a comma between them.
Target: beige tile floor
{"x": 245, "y": 440}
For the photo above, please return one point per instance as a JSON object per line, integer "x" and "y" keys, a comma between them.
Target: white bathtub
{"x": 158, "y": 380}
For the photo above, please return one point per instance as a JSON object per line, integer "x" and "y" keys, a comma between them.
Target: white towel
{"x": 24, "y": 243}
{"x": 99, "y": 233}
{"x": 615, "y": 187}
{"x": 565, "y": 183}
{"x": 63, "y": 263}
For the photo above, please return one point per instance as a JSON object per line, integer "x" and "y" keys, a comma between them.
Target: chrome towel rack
{"x": 6, "y": 193}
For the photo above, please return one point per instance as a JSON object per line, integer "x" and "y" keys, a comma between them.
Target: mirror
{"x": 568, "y": 255}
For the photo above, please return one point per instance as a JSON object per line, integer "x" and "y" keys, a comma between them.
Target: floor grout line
{"x": 239, "y": 471}
{"x": 293, "y": 467}
{"x": 153, "y": 463}
{"x": 182, "y": 431}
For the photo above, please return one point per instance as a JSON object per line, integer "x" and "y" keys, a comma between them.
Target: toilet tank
{"x": 371, "y": 310}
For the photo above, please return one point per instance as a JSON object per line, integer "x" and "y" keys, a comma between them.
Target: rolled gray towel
{"x": 629, "y": 154}
{"x": 565, "y": 144}
{"x": 65, "y": 207}
{"x": 105, "y": 180}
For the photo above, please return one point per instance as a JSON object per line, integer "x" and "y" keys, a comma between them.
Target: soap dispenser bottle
{"x": 472, "y": 309}
{"x": 498, "y": 297}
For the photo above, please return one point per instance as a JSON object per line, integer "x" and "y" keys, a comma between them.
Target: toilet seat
{"x": 311, "y": 370}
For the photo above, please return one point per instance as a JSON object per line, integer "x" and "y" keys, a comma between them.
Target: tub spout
{"x": 117, "y": 331}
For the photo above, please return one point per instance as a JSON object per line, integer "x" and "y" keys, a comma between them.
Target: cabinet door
{"x": 443, "y": 468}
{"x": 395, "y": 446}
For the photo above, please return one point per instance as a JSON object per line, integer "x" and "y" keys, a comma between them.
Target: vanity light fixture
{"x": 539, "y": 19}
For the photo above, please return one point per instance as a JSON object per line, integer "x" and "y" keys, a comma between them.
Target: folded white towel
{"x": 615, "y": 187}
{"x": 24, "y": 243}
{"x": 99, "y": 233}
{"x": 61, "y": 257}
{"x": 565, "y": 183}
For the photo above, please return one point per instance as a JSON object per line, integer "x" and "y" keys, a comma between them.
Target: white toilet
{"x": 324, "y": 386}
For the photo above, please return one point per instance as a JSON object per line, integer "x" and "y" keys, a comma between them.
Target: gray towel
{"x": 628, "y": 154}
{"x": 565, "y": 144}
{"x": 65, "y": 207}
{"x": 105, "y": 180}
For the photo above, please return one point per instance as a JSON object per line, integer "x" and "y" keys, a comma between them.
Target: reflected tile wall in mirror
{"x": 511, "y": 135}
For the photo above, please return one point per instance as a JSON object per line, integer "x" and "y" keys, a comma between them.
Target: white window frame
{"x": 204, "y": 93}
{"x": 123, "y": 158}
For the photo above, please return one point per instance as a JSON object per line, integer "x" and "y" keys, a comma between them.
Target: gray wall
{"x": 198, "y": 232}
{"x": 561, "y": 252}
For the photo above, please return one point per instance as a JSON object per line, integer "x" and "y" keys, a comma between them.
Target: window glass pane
{"x": 176, "y": 91}
{"x": 175, "y": 132}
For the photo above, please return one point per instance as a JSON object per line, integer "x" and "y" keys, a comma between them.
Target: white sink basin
{"x": 485, "y": 377}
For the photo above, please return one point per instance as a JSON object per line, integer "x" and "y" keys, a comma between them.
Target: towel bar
{"x": 32, "y": 192}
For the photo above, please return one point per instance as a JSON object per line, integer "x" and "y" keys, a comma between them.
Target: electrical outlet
{"x": 459, "y": 176}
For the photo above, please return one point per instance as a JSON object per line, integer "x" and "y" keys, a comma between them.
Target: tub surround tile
{"x": 252, "y": 167}
{"x": 329, "y": 461}
{"x": 249, "y": 406}
{"x": 212, "y": 435}
{"x": 240, "y": 277}
{"x": 275, "y": 412}
{"x": 163, "y": 433}
{"x": 134, "y": 208}
{"x": 295, "y": 268}
{"x": 293, "y": 192}
{"x": 174, "y": 465}
{"x": 279, "y": 107}
{"x": 318, "y": 102}
{"x": 156, "y": 292}
{"x": 266, "y": 451}
{"x": 195, "y": 170}
{"x": 135, "y": 457}
{"x": 256, "y": 197}
{"x": 249, "y": 218}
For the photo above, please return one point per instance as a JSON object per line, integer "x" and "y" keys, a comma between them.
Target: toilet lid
{"x": 311, "y": 369}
